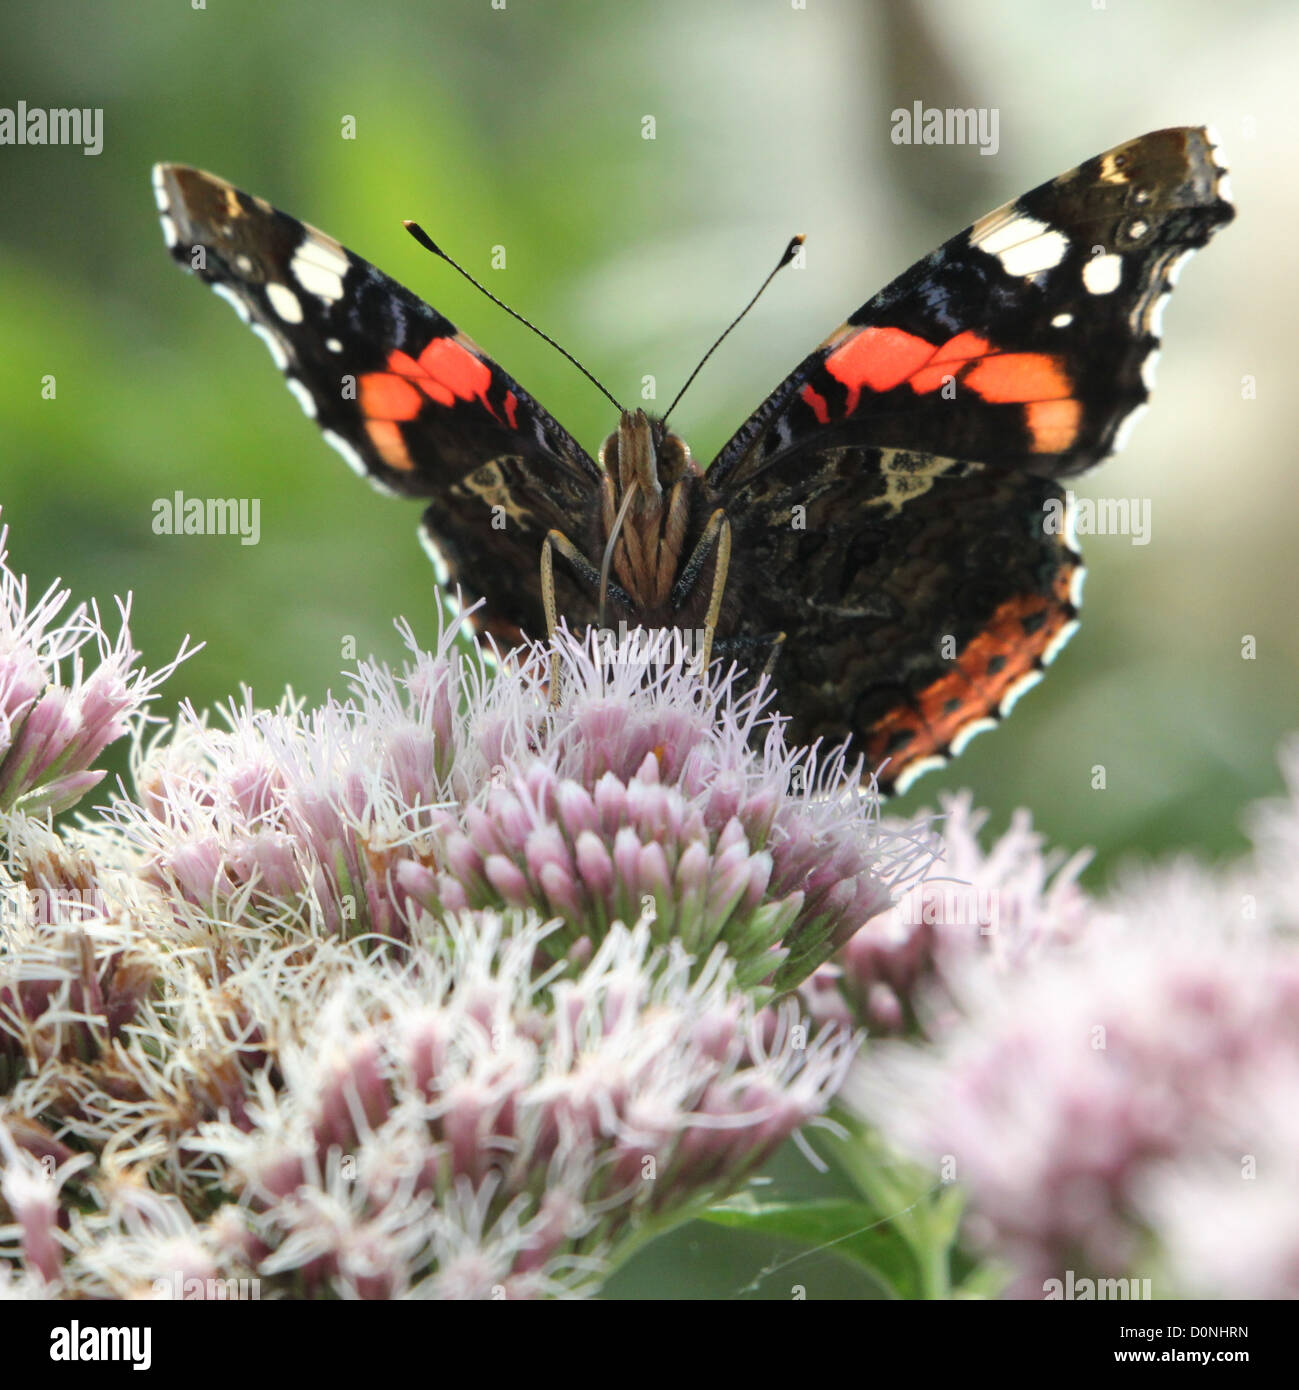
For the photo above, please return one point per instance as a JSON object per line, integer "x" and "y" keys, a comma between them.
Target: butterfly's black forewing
{"x": 894, "y": 501}
{"x": 408, "y": 401}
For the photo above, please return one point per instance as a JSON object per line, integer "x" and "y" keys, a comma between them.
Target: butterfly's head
{"x": 644, "y": 452}
{"x": 646, "y": 506}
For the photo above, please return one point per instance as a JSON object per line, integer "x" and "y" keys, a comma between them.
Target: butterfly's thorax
{"x": 655, "y": 503}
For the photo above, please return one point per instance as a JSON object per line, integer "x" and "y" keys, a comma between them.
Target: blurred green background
{"x": 522, "y": 126}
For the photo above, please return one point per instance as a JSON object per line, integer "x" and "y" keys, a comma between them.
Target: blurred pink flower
{"x": 1002, "y": 908}
{"x": 1081, "y": 1100}
{"x": 51, "y": 732}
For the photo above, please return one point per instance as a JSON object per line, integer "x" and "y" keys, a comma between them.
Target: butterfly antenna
{"x": 429, "y": 244}
{"x": 790, "y": 252}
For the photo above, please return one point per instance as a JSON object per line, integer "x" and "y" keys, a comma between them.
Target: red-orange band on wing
{"x": 878, "y": 359}
{"x": 881, "y": 359}
{"x": 453, "y": 372}
{"x": 387, "y": 438}
{"x": 1007, "y": 648}
{"x": 1019, "y": 376}
{"x": 387, "y": 397}
{"x": 1053, "y": 425}
{"x": 948, "y": 360}
{"x": 445, "y": 372}
{"x": 817, "y": 401}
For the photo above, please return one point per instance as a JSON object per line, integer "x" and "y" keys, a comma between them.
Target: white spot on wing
{"x": 1126, "y": 427}
{"x": 320, "y": 267}
{"x": 996, "y": 233}
{"x": 441, "y": 571}
{"x": 1062, "y": 321}
{"x": 1023, "y": 245}
{"x": 160, "y": 190}
{"x": 1016, "y": 692}
{"x": 273, "y": 344}
{"x": 1070, "y": 524}
{"x": 333, "y": 345}
{"x": 321, "y": 283}
{"x": 1056, "y": 644}
{"x": 918, "y": 768}
{"x": 303, "y": 396}
{"x": 355, "y": 462}
{"x": 1076, "y": 582}
{"x": 1174, "y": 271}
{"x": 1215, "y": 148}
{"x": 1157, "y": 315}
{"x": 1101, "y": 274}
{"x": 324, "y": 252}
{"x": 971, "y": 731}
{"x": 349, "y": 455}
{"x": 235, "y": 301}
{"x": 1042, "y": 253}
{"x": 284, "y": 302}
{"x": 169, "y": 233}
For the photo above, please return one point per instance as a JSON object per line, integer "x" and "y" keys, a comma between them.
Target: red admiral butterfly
{"x": 880, "y": 527}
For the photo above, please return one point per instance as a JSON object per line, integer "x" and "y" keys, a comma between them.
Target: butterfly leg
{"x": 777, "y": 642}
{"x": 558, "y": 541}
{"x": 716, "y": 533}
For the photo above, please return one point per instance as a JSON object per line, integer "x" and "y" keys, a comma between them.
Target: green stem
{"x": 925, "y": 1218}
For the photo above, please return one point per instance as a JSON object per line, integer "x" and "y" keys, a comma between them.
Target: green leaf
{"x": 849, "y": 1230}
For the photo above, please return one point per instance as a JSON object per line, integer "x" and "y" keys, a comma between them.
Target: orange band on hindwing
{"x": 1016, "y": 640}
